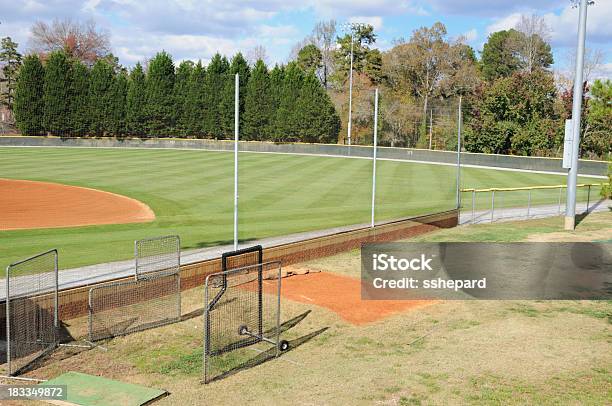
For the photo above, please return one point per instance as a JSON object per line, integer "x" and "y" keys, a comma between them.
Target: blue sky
{"x": 196, "y": 29}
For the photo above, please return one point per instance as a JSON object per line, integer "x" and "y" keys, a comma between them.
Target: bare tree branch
{"x": 82, "y": 41}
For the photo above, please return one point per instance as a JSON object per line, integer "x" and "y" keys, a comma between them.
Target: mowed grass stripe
{"x": 191, "y": 193}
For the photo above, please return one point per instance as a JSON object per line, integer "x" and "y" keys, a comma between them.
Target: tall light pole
{"x": 352, "y": 27}
{"x": 572, "y": 176}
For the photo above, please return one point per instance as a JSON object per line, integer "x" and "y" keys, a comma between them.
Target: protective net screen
{"x": 158, "y": 255}
{"x": 242, "y": 319}
{"x": 242, "y": 258}
{"x": 120, "y": 308}
{"x": 31, "y": 290}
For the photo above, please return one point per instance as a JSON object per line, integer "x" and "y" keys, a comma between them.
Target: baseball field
{"x": 190, "y": 193}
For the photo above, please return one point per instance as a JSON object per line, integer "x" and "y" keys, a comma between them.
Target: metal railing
{"x": 534, "y": 202}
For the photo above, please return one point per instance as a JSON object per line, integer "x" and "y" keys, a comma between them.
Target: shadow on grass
{"x": 267, "y": 355}
{"x": 217, "y": 243}
{"x": 580, "y": 217}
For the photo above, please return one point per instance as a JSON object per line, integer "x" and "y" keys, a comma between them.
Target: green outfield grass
{"x": 191, "y": 195}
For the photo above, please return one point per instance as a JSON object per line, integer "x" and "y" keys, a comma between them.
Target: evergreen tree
{"x": 195, "y": 108}
{"x": 29, "y": 105}
{"x": 12, "y": 62}
{"x": 100, "y": 97}
{"x": 287, "y": 119}
{"x": 181, "y": 90}
{"x": 499, "y": 58}
{"x": 57, "y": 94}
{"x": 118, "y": 104}
{"x": 160, "y": 106}
{"x": 317, "y": 118}
{"x": 136, "y": 101}
{"x": 238, "y": 66}
{"x": 217, "y": 75}
{"x": 310, "y": 58}
{"x": 259, "y": 111}
{"x": 277, "y": 76}
{"x": 79, "y": 99}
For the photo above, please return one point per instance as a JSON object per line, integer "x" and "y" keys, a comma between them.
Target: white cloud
{"x": 470, "y": 35}
{"x": 348, "y": 8}
{"x": 603, "y": 72}
{"x": 505, "y": 23}
{"x": 375, "y": 21}
{"x": 493, "y": 8}
{"x": 564, "y": 25}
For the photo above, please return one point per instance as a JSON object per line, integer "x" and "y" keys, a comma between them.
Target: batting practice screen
{"x": 124, "y": 307}
{"x": 157, "y": 255}
{"x": 31, "y": 310}
{"x": 241, "y": 319}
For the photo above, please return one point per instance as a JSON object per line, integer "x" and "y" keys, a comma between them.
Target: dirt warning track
{"x": 28, "y": 204}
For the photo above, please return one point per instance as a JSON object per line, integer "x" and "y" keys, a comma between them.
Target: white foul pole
{"x": 236, "y": 132}
{"x": 572, "y": 176}
{"x": 374, "y": 154}
{"x": 459, "y": 118}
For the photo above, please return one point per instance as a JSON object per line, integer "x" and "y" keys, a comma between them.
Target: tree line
{"x": 512, "y": 101}
{"x": 62, "y": 96}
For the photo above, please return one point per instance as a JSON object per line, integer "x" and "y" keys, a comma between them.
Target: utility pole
{"x": 572, "y": 176}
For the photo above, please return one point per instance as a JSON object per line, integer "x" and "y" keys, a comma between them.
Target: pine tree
{"x": 11, "y": 63}
{"x": 57, "y": 94}
{"x": 181, "y": 90}
{"x": 100, "y": 97}
{"x": 277, "y": 76}
{"x": 259, "y": 111}
{"x": 238, "y": 66}
{"x": 287, "y": 120}
{"x": 160, "y": 106}
{"x": 79, "y": 99}
{"x": 29, "y": 105}
{"x": 217, "y": 74}
{"x": 317, "y": 120}
{"x": 195, "y": 108}
{"x": 136, "y": 101}
{"x": 118, "y": 105}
